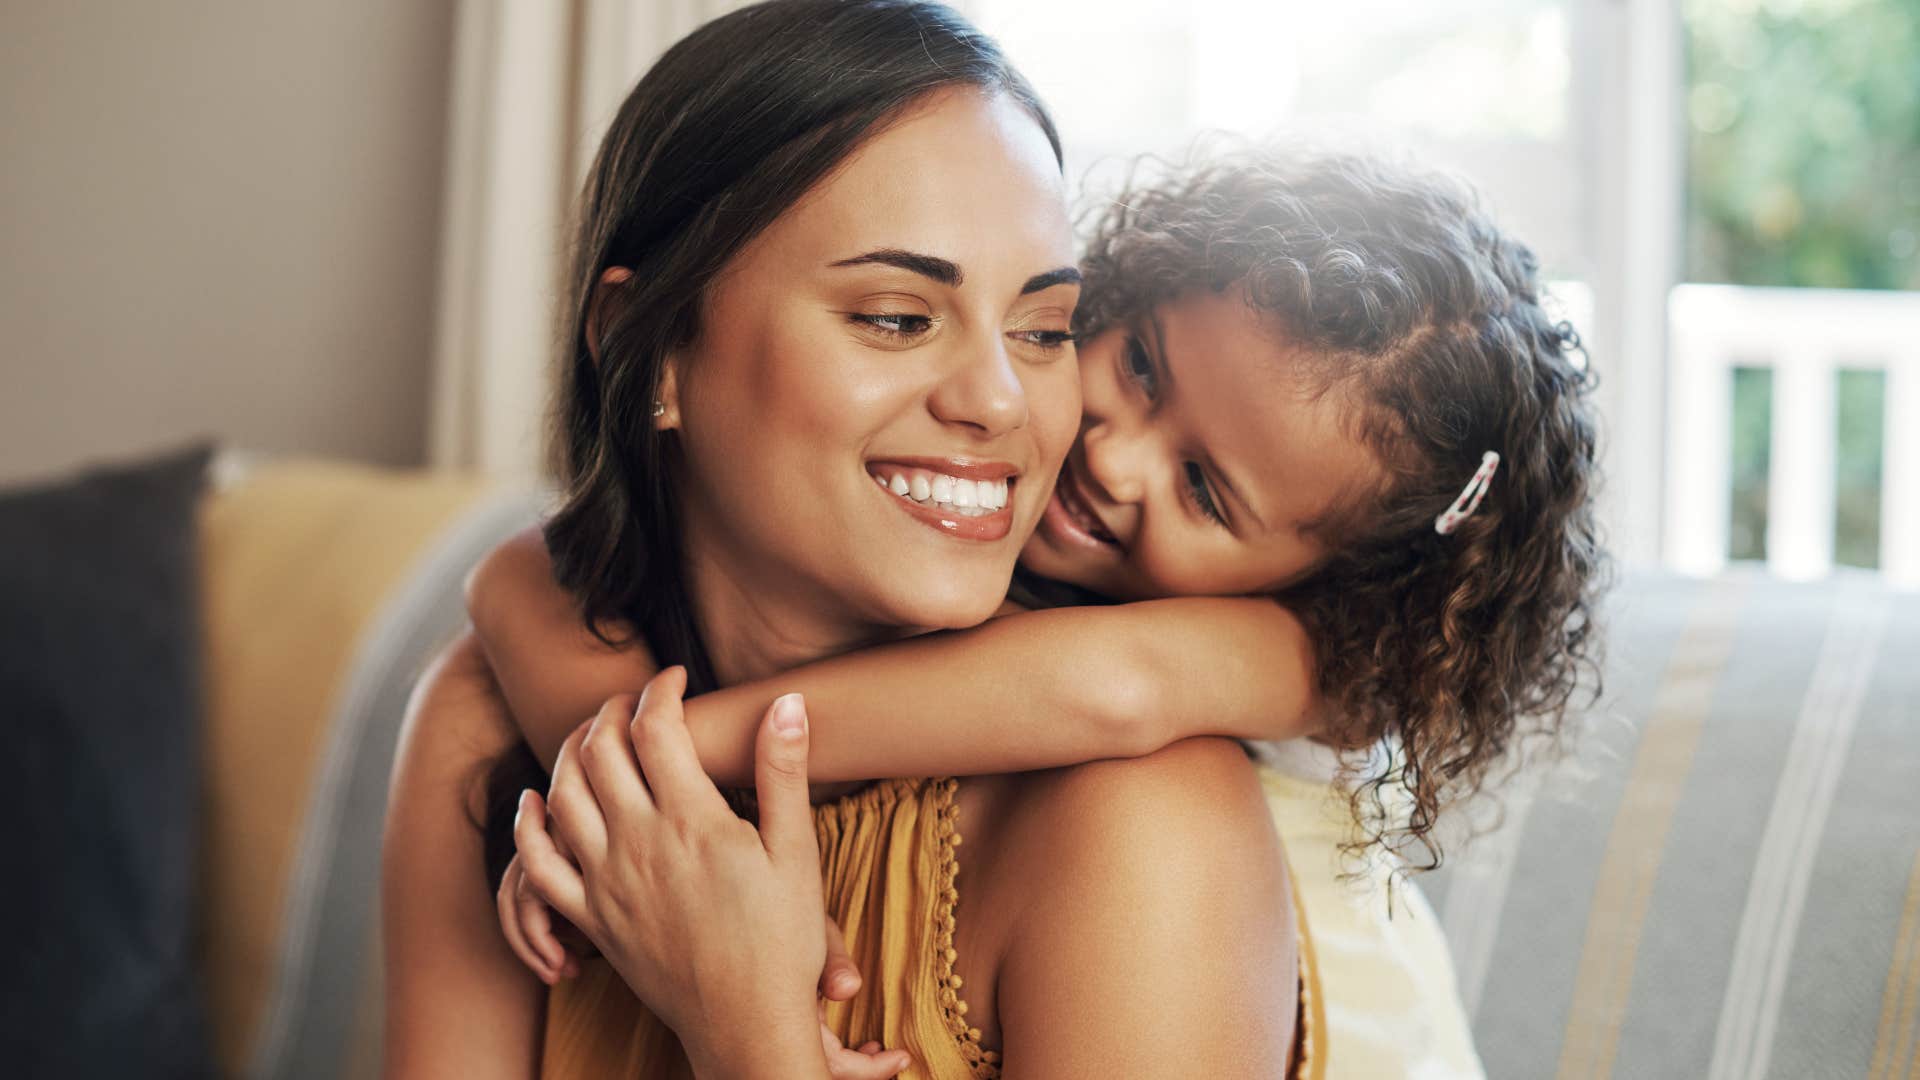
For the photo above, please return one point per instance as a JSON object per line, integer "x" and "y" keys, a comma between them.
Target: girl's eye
{"x": 1202, "y": 497}
{"x": 1139, "y": 366}
{"x": 894, "y": 325}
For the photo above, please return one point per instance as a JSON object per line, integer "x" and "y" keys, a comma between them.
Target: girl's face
{"x": 1209, "y": 458}
{"x": 883, "y": 386}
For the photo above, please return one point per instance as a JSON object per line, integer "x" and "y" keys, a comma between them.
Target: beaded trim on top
{"x": 985, "y": 1063}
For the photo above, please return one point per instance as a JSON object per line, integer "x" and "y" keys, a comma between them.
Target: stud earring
{"x": 659, "y": 409}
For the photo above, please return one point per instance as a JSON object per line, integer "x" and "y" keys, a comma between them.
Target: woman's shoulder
{"x": 1161, "y": 871}
{"x": 455, "y": 721}
{"x": 1150, "y": 807}
{"x": 1187, "y": 826}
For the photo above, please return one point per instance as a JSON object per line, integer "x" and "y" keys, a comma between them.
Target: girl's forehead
{"x": 1259, "y": 410}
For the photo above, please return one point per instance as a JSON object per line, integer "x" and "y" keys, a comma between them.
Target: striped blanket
{"x": 1724, "y": 882}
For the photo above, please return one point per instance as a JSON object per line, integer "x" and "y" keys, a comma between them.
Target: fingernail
{"x": 790, "y": 715}
{"x": 845, "y": 982}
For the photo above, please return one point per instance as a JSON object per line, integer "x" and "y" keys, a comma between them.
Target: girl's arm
{"x": 1033, "y": 690}
{"x": 458, "y": 1004}
{"x": 554, "y": 674}
{"x": 1029, "y": 690}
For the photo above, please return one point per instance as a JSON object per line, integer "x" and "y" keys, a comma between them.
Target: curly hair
{"x": 1397, "y": 287}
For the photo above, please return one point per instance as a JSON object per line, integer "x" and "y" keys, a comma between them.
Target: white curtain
{"x": 535, "y": 82}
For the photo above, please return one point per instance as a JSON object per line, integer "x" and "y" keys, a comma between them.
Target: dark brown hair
{"x": 1412, "y": 305}
{"x": 725, "y": 133}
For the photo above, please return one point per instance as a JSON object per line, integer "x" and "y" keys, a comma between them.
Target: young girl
{"x": 1333, "y": 480}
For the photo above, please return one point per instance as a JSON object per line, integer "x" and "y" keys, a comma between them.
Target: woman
{"x": 726, "y": 403}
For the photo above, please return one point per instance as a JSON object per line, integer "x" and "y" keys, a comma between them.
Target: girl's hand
{"x": 716, "y": 925}
{"x": 527, "y": 922}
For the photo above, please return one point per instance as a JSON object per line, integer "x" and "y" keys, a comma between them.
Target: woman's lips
{"x": 967, "y": 501}
{"x": 1068, "y": 518}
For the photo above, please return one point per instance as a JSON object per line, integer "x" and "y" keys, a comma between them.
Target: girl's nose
{"x": 1116, "y": 460}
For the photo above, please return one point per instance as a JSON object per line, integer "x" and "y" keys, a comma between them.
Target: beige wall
{"x": 218, "y": 216}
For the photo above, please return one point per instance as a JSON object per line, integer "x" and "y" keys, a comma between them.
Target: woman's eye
{"x": 1203, "y": 497}
{"x": 1046, "y": 339}
{"x": 1133, "y": 356}
{"x": 895, "y": 325}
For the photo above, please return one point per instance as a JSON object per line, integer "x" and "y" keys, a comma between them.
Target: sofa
{"x": 1723, "y": 880}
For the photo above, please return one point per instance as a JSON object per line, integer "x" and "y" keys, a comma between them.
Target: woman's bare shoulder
{"x": 1153, "y": 805}
{"x": 1158, "y": 899}
{"x": 455, "y": 720}
{"x": 458, "y": 1002}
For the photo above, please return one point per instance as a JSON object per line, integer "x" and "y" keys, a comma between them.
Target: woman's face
{"x": 1208, "y": 456}
{"x": 883, "y": 387}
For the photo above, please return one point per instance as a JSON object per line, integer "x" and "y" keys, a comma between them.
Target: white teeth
{"x": 969, "y": 498}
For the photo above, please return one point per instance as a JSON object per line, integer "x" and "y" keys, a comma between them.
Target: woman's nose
{"x": 984, "y": 392}
{"x": 1116, "y": 459}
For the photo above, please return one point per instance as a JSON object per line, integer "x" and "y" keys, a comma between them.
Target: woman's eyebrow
{"x": 1065, "y": 275}
{"x": 944, "y": 271}
{"x": 948, "y": 273}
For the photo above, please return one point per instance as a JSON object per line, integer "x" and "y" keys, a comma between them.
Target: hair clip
{"x": 1470, "y": 496}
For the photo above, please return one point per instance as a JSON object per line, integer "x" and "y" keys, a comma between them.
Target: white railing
{"x": 1806, "y": 337}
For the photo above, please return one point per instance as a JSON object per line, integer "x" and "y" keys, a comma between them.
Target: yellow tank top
{"x": 888, "y": 857}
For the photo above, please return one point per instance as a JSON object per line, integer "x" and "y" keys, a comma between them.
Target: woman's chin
{"x": 956, "y": 605}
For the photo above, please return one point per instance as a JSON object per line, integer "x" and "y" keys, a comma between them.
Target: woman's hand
{"x": 551, "y": 950}
{"x": 529, "y": 926}
{"x": 716, "y": 925}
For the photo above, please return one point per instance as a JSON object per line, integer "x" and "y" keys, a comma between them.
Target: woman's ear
{"x": 606, "y": 292}
{"x": 666, "y": 400}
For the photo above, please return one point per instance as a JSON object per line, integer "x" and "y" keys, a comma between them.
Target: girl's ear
{"x": 606, "y": 292}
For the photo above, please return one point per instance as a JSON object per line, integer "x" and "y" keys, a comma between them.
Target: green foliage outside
{"x": 1856, "y": 492}
{"x": 1752, "y": 453}
{"x": 1804, "y": 149}
{"x": 1804, "y": 170}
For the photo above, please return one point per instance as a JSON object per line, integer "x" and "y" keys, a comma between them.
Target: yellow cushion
{"x": 297, "y": 558}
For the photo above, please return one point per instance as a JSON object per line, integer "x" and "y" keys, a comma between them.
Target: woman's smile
{"x": 968, "y": 500}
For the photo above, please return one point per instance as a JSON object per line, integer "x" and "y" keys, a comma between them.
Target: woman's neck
{"x": 752, "y": 631}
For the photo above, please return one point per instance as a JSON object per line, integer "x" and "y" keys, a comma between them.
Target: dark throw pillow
{"x": 100, "y": 694}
